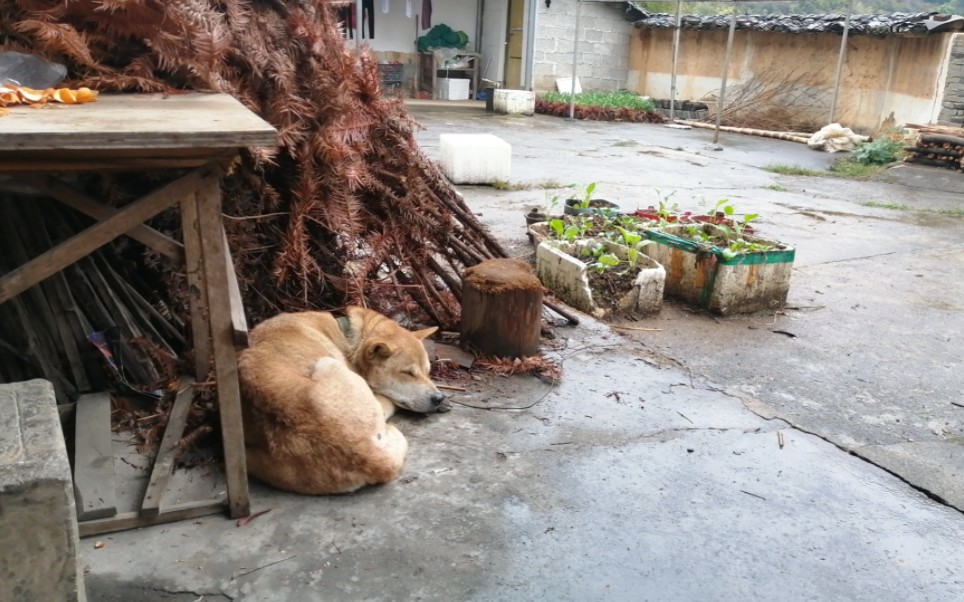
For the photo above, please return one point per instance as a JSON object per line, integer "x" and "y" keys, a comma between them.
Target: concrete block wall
{"x": 952, "y": 103}
{"x": 604, "y": 37}
{"x": 38, "y": 521}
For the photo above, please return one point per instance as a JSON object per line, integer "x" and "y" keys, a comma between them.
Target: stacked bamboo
{"x": 45, "y": 332}
{"x": 939, "y": 146}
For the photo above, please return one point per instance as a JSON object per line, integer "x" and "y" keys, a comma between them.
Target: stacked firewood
{"x": 939, "y": 146}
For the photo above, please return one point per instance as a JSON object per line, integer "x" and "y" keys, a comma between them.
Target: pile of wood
{"x": 98, "y": 324}
{"x": 347, "y": 209}
{"x": 939, "y": 146}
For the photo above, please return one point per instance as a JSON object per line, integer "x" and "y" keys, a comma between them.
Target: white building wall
{"x": 604, "y": 38}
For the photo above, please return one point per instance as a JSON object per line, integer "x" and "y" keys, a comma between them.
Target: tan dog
{"x": 316, "y": 393}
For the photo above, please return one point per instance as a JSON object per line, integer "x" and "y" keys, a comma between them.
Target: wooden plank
{"x": 222, "y": 339}
{"x": 52, "y": 164}
{"x": 132, "y": 121}
{"x": 100, "y": 155}
{"x": 94, "y": 459}
{"x": 133, "y": 520}
{"x": 161, "y": 243}
{"x": 197, "y": 292}
{"x": 166, "y": 452}
{"x": 238, "y": 320}
{"x": 91, "y": 239}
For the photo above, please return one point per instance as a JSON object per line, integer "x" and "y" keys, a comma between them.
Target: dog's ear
{"x": 425, "y": 332}
{"x": 378, "y": 350}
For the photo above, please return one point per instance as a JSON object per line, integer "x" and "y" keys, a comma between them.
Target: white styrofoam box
{"x": 451, "y": 88}
{"x": 564, "y": 85}
{"x": 475, "y": 158}
{"x": 514, "y": 101}
{"x": 559, "y": 268}
{"x": 453, "y": 94}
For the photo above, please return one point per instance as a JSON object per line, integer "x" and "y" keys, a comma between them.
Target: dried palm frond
{"x": 536, "y": 364}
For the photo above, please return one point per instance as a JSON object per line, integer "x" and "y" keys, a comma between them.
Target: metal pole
{"x": 358, "y": 23}
{"x": 840, "y": 61}
{"x": 575, "y": 55}
{"x": 672, "y": 83}
{"x": 529, "y": 44}
{"x": 726, "y": 70}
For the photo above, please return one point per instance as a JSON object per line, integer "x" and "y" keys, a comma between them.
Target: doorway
{"x": 514, "y": 47}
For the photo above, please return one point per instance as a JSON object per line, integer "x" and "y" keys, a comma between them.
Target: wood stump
{"x": 501, "y": 308}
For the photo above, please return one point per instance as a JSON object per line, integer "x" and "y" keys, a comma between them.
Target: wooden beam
{"x": 238, "y": 320}
{"x": 74, "y": 199}
{"x": 222, "y": 339}
{"x": 161, "y": 243}
{"x": 94, "y": 488}
{"x": 133, "y": 520}
{"x": 196, "y": 290}
{"x": 118, "y": 164}
{"x": 166, "y": 452}
{"x": 101, "y": 233}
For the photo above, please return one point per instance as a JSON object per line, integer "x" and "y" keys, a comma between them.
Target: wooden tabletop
{"x": 136, "y": 121}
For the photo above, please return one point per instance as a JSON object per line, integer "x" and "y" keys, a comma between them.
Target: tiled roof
{"x": 896, "y": 23}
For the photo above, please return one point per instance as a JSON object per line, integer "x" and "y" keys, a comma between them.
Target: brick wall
{"x": 603, "y": 45}
{"x": 952, "y": 103}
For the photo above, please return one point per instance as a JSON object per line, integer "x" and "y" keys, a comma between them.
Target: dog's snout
{"x": 437, "y": 398}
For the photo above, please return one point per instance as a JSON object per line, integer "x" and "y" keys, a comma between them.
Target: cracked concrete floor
{"x": 665, "y": 465}
{"x": 872, "y": 360}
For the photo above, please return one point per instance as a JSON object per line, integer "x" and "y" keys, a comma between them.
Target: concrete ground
{"x": 704, "y": 459}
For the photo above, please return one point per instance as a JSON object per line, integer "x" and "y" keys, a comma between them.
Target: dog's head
{"x": 397, "y": 368}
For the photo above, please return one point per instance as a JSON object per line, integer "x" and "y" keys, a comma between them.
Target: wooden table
{"x": 199, "y": 134}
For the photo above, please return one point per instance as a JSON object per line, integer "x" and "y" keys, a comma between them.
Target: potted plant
{"x": 721, "y": 214}
{"x": 587, "y": 205}
{"x": 536, "y": 216}
{"x": 720, "y": 267}
{"x": 597, "y": 265}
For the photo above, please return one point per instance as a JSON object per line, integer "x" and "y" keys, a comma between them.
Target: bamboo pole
{"x": 726, "y": 70}
{"x": 840, "y": 61}
{"x": 672, "y": 82}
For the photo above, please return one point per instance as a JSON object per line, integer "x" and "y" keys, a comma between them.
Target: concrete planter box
{"x": 703, "y": 276}
{"x": 560, "y": 270}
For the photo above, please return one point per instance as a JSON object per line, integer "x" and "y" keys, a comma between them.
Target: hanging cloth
{"x": 426, "y": 14}
{"x": 346, "y": 15}
{"x": 386, "y": 6}
{"x": 409, "y": 9}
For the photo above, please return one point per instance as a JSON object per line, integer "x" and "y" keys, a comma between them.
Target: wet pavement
{"x": 704, "y": 458}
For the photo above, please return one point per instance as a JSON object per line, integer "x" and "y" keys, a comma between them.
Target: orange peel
{"x": 11, "y": 95}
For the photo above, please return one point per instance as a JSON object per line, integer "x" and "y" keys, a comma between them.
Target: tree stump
{"x": 501, "y": 308}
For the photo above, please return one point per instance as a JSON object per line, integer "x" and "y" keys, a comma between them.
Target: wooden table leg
{"x": 222, "y": 342}
{"x": 197, "y": 291}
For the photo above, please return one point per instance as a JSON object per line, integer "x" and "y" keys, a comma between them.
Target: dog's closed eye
{"x": 409, "y": 372}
